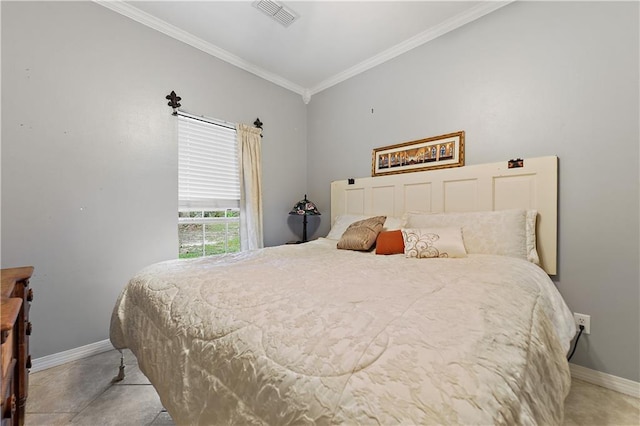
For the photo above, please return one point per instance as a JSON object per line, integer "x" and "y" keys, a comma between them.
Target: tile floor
{"x": 81, "y": 393}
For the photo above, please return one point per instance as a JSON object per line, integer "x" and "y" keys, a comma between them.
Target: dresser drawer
{"x": 10, "y": 309}
{"x": 8, "y": 354}
{"x": 15, "y": 290}
{"x": 9, "y": 400}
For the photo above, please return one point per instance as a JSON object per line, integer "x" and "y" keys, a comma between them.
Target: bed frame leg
{"x": 120, "y": 375}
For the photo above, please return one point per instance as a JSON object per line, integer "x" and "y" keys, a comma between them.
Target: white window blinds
{"x": 208, "y": 170}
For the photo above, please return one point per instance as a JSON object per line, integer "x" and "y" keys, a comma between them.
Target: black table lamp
{"x": 304, "y": 208}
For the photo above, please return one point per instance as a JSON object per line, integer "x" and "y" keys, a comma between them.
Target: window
{"x": 208, "y": 187}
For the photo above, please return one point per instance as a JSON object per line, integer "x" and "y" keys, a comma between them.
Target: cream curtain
{"x": 250, "y": 156}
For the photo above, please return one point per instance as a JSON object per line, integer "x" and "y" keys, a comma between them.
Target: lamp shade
{"x": 304, "y": 208}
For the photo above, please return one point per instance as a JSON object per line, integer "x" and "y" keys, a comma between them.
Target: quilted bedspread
{"x": 308, "y": 334}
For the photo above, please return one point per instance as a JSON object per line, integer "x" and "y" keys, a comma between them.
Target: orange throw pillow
{"x": 390, "y": 242}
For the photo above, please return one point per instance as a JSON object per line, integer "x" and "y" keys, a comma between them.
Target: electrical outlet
{"x": 585, "y": 320}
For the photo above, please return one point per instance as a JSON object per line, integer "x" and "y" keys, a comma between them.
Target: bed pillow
{"x": 361, "y": 235}
{"x": 532, "y": 249}
{"x": 433, "y": 242}
{"x": 501, "y": 232}
{"x": 392, "y": 223}
{"x": 343, "y": 221}
{"x": 390, "y": 242}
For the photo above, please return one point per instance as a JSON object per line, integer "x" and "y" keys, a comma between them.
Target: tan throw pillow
{"x": 361, "y": 235}
{"x": 434, "y": 242}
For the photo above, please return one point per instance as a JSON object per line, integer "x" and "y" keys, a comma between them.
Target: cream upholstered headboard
{"x": 480, "y": 187}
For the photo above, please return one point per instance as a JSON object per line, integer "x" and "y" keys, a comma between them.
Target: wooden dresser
{"x": 16, "y": 297}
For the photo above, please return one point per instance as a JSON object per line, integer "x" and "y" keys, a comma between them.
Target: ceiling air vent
{"x": 277, "y": 11}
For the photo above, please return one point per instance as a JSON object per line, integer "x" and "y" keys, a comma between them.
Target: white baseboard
{"x": 615, "y": 383}
{"x": 53, "y": 360}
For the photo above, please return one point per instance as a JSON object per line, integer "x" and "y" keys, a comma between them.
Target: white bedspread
{"x": 310, "y": 334}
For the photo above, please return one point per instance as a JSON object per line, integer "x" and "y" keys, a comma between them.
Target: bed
{"x": 313, "y": 334}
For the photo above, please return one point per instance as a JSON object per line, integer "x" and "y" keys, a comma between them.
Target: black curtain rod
{"x": 174, "y": 102}
{"x": 205, "y": 120}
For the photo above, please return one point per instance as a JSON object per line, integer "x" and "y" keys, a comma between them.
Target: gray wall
{"x": 531, "y": 79}
{"x": 89, "y": 154}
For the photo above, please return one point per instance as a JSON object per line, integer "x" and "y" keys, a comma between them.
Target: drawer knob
{"x": 29, "y": 328}
{"x": 30, "y": 295}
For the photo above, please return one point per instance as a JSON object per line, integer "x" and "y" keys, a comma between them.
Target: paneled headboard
{"x": 481, "y": 187}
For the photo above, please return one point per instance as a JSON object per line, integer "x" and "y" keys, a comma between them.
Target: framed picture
{"x": 437, "y": 152}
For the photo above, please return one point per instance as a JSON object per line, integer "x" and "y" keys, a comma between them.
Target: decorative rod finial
{"x": 174, "y": 101}
{"x": 258, "y": 124}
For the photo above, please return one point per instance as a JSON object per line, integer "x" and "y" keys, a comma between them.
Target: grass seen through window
{"x": 206, "y": 233}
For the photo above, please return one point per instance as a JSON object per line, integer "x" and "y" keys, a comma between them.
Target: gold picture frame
{"x": 437, "y": 152}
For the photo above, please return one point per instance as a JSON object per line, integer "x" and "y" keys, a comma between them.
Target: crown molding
{"x": 451, "y": 24}
{"x": 185, "y": 37}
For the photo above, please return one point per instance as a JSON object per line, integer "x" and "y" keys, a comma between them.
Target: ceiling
{"x": 329, "y": 42}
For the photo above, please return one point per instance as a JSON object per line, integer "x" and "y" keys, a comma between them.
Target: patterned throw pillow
{"x": 434, "y": 242}
{"x": 361, "y": 235}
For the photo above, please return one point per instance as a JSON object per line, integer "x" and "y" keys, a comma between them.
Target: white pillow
{"x": 343, "y": 221}
{"x": 392, "y": 223}
{"x": 532, "y": 250}
{"x": 433, "y": 242}
{"x": 501, "y": 232}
